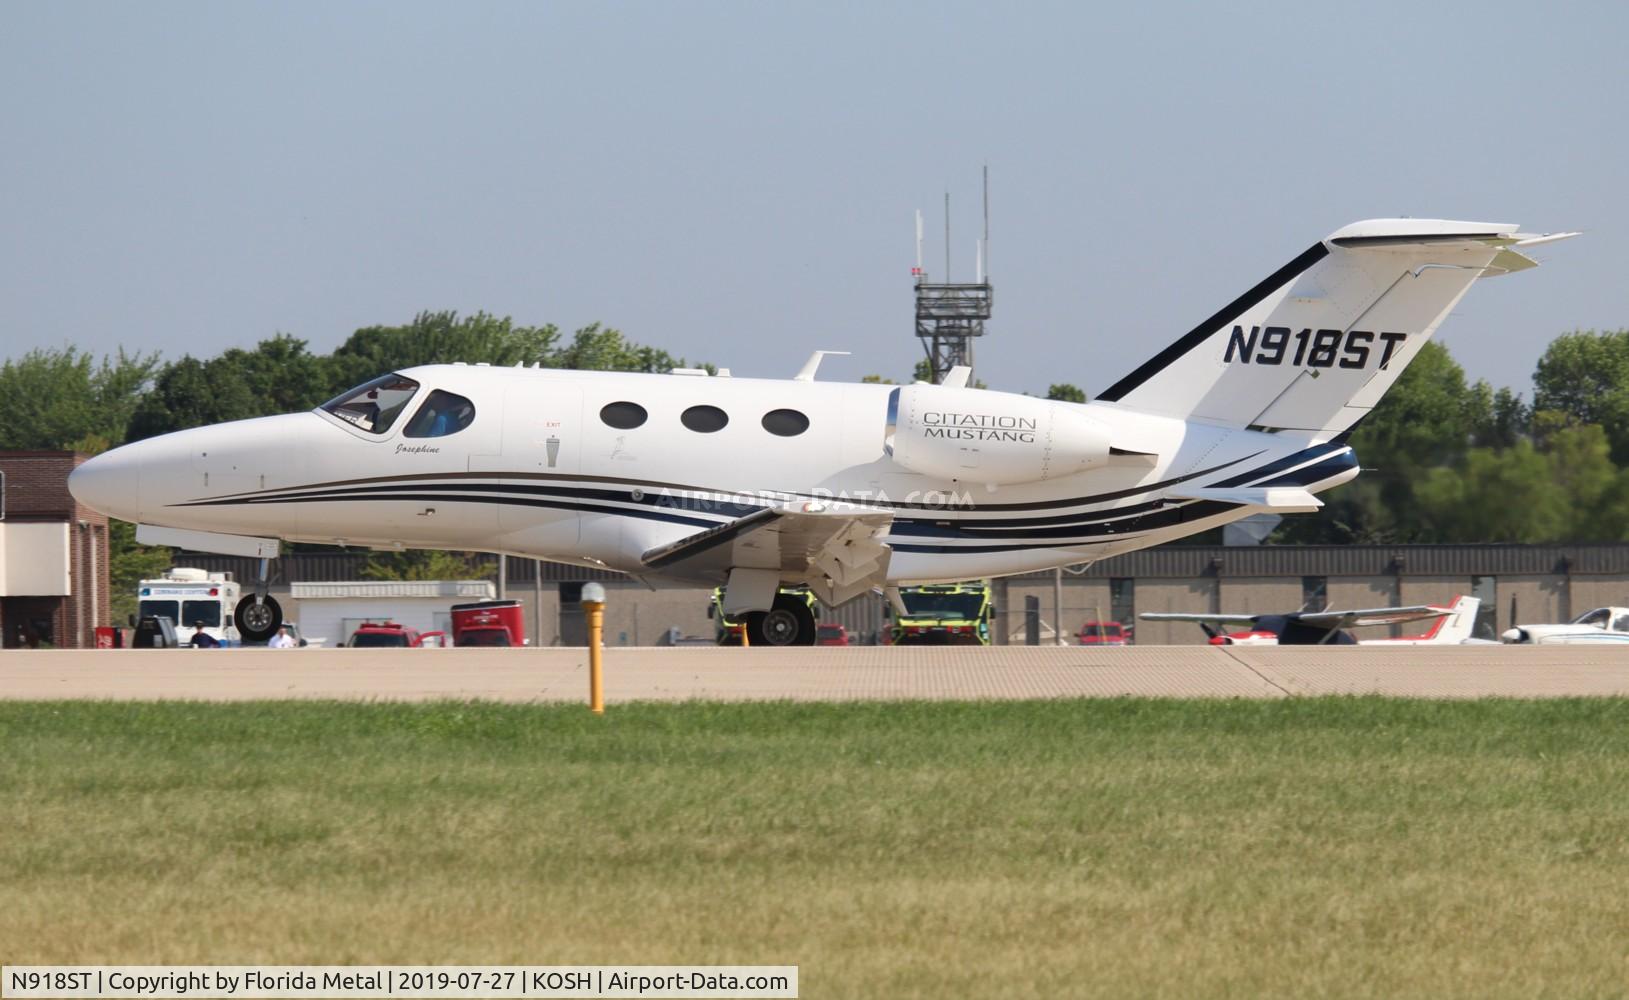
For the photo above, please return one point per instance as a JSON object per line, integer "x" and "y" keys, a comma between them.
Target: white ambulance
{"x": 188, "y": 597}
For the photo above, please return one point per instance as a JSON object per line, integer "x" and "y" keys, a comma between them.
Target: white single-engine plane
{"x": 1451, "y": 625}
{"x": 758, "y": 483}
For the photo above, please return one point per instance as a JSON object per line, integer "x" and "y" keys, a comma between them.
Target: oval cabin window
{"x": 704, "y": 419}
{"x": 623, "y": 415}
{"x": 785, "y": 423}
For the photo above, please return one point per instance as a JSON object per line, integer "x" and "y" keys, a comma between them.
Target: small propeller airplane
{"x": 754, "y": 484}
{"x": 1451, "y": 626}
{"x": 1600, "y": 627}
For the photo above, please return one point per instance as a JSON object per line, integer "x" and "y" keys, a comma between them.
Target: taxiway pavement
{"x": 816, "y": 674}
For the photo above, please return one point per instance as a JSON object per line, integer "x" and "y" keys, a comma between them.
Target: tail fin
{"x": 1315, "y": 345}
{"x": 1456, "y": 628}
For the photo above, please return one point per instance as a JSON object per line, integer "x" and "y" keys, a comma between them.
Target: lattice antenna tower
{"x": 950, "y": 315}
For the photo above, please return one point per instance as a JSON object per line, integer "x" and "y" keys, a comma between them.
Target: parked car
{"x": 384, "y": 635}
{"x": 1104, "y": 634}
{"x": 154, "y": 632}
{"x": 831, "y": 635}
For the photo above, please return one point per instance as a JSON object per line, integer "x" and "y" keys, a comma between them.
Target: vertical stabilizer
{"x": 1314, "y": 346}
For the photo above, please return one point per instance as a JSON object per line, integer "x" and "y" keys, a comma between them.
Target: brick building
{"x": 53, "y": 554}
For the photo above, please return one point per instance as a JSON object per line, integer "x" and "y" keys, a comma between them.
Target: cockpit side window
{"x": 443, "y": 413}
{"x": 375, "y": 405}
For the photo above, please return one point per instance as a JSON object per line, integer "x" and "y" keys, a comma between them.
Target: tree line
{"x": 67, "y": 398}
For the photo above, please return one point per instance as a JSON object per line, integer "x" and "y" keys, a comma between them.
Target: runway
{"x": 816, "y": 674}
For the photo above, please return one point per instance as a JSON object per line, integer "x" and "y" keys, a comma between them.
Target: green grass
{"x": 1302, "y": 847}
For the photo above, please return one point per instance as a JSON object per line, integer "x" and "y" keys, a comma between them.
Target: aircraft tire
{"x": 257, "y": 624}
{"x": 789, "y": 623}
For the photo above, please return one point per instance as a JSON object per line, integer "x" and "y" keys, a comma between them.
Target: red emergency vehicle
{"x": 373, "y": 635}
{"x": 488, "y": 623}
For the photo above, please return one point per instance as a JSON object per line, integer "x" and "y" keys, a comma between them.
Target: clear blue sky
{"x": 736, "y": 182}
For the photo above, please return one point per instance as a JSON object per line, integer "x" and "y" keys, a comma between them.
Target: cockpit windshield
{"x": 929, "y": 604}
{"x": 1597, "y": 618}
{"x": 375, "y": 405}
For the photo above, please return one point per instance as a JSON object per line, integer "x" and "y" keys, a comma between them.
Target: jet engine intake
{"x": 988, "y": 437}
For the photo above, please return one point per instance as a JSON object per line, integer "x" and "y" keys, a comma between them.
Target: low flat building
{"x": 331, "y": 610}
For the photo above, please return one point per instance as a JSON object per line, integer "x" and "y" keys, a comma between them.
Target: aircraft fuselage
{"x": 539, "y": 471}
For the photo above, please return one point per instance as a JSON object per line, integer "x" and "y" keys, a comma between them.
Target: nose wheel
{"x": 258, "y": 618}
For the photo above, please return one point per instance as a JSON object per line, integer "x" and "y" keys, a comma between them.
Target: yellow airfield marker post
{"x": 594, "y": 611}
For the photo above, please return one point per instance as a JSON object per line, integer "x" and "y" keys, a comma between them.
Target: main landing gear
{"x": 258, "y": 616}
{"x": 791, "y": 622}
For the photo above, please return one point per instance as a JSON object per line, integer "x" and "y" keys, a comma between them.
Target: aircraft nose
{"x": 110, "y": 483}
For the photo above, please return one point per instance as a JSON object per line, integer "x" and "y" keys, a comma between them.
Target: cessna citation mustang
{"x": 755, "y": 484}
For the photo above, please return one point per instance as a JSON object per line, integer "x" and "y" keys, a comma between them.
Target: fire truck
{"x": 944, "y": 614}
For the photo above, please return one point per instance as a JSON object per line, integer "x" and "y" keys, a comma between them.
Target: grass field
{"x": 1328, "y": 847}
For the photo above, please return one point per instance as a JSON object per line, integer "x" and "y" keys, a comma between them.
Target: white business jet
{"x": 759, "y": 483}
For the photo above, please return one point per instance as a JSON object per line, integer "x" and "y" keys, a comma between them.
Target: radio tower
{"x": 950, "y": 315}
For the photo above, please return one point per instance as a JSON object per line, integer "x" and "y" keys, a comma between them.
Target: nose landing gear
{"x": 258, "y": 616}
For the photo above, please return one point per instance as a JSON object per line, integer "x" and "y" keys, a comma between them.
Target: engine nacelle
{"x": 990, "y": 437}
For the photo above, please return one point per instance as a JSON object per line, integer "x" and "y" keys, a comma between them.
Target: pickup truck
{"x": 378, "y": 635}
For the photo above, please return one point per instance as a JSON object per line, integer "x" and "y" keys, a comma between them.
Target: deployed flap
{"x": 836, "y": 551}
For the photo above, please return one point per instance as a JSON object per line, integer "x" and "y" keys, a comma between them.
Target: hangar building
{"x": 1517, "y": 583}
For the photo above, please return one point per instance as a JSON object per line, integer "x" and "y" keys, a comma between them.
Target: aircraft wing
{"x": 837, "y": 551}
{"x": 1370, "y": 616}
{"x": 1177, "y": 616}
{"x": 1317, "y": 619}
